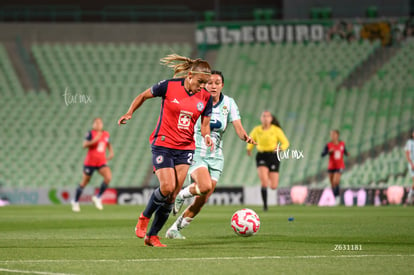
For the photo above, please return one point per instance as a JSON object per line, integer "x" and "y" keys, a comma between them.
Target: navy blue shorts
{"x": 88, "y": 170}
{"x": 163, "y": 157}
{"x": 332, "y": 171}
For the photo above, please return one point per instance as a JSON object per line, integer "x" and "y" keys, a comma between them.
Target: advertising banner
{"x": 213, "y": 35}
{"x": 54, "y": 195}
{"x": 349, "y": 196}
{"x": 248, "y": 195}
{"x": 25, "y": 195}
{"x": 221, "y": 196}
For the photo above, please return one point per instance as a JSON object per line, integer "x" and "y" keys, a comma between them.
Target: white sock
{"x": 185, "y": 193}
{"x": 174, "y": 225}
{"x": 183, "y": 222}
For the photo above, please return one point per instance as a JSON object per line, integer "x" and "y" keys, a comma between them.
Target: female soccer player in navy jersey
{"x": 184, "y": 100}
{"x": 97, "y": 141}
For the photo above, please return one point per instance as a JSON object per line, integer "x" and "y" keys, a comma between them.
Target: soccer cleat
{"x": 153, "y": 241}
{"x": 174, "y": 234}
{"x": 179, "y": 201}
{"x": 337, "y": 201}
{"x": 141, "y": 227}
{"x": 409, "y": 199}
{"x": 98, "y": 202}
{"x": 75, "y": 206}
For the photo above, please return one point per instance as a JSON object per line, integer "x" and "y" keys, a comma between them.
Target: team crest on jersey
{"x": 184, "y": 120}
{"x": 225, "y": 110}
{"x": 200, "y": 106}
{"x": 159, "y": 159}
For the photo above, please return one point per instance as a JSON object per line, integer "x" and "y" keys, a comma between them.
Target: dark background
{"x": 191, "y": 11}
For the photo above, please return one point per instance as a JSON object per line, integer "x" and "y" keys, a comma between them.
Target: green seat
{"x": 209, "y": 16}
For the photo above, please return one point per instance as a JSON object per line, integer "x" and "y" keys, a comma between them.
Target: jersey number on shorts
{"x": 101, "y": 147}
{"x": 190, "y": 158}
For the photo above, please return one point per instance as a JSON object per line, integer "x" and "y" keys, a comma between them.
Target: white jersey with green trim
{"x": 224, "y": 111}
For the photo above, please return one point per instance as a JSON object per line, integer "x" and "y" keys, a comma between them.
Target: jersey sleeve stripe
{"x": 157, "y": 129}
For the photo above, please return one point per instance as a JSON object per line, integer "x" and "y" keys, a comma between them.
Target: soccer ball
{"x": 245, "y": 222}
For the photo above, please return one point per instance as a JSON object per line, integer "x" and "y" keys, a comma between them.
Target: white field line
{"x": 30, "y": 272}
{"x": 204, "y": 259}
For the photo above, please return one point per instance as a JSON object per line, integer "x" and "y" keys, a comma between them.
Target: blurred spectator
{"x": 409, "y": 28}
{"x": 341, "y": 30}
{"x": 396, "y": 32}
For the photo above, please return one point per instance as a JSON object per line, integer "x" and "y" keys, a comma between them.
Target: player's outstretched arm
{"x": 325, "y": 151}
{"x": 135, "y": 105}
{"x": 408, "y": 157}
{"x": 89, "y": 143}
{"x": 111, "y": 151}
{"x": 205, "y": 131}
{"x": 242, "y": 133}
{"x": 346, "y": 152}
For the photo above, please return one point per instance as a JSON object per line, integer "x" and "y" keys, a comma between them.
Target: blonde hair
{"x": 182, "y": 65}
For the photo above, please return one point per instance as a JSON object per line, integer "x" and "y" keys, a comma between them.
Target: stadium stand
{"x": 386, "y": 169}
{"x": 303, "y": 94}
{"x": 283, "y": 78}
{"x": 300, "y": 92}
{"x": 98, "y": 80}
{"x": 9, "y": 83}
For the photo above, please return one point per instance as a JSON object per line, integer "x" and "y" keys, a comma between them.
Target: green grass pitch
{"x": 53, "y": 240}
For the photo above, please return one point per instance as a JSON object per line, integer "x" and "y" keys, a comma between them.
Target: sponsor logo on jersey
{"x": 175, "y": 101}
{"x": 225, "y": 110}
{"x": 184, "y": 120}
{"x": 200, "y": 106}
{"x": 215, "y": 124}
{"x": 159, "y": 159}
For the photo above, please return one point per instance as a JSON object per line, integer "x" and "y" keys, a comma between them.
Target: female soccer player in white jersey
{"x": 207, "y": 164}
{"x": 409, "y": 154}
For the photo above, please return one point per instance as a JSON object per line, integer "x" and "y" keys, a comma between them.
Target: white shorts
{"x": 411, "y": 171}
{"x": 214, "y": 166}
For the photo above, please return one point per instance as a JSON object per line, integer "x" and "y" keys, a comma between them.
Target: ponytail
{"x": 276, "y": 122}
{"x": 183, "y": 65}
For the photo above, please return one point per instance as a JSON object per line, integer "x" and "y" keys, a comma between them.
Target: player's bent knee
{"x": 167, "y": 190}
{"x": 205, "y": 189}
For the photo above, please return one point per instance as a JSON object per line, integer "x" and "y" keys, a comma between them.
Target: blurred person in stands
{"x": 97, "y": 142}
{"x": 409, "y": 29}
{"x": 270, "y": 139}
{"x": 341, "y": 31}
{"x": 409, "y": 154}
{"x": 336, "y": 150}
{"x": 184, "y": 100}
